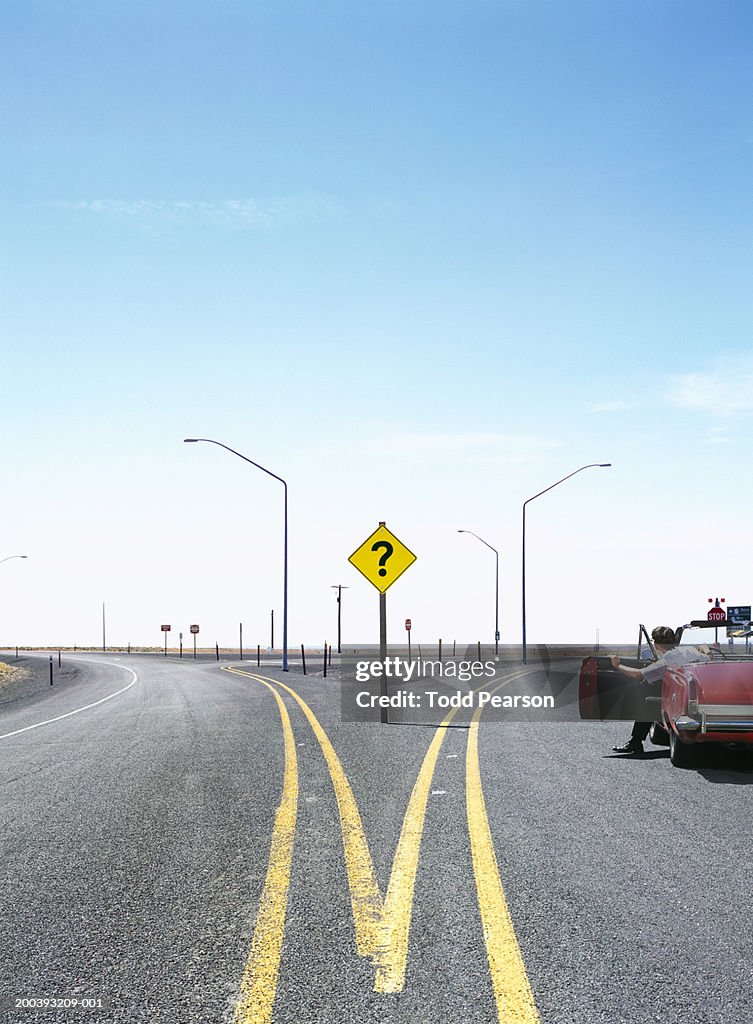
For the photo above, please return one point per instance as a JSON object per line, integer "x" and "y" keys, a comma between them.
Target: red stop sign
{"x": 716, "y": 615}
{"x": 194, "y": 629}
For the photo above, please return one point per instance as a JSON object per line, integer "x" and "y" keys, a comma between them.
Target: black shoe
{"x": 631, "y": 747}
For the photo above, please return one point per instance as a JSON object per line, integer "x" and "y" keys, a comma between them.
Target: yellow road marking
{"x": 259, "y": 983}
{"x": 512, "y": 989}
{"x": 382, "y": 928}
{"x": 366, "y": 899}
{"x": 398, "y": 905}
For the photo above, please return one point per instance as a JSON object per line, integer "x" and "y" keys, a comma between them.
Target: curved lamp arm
{"x": 209, "y": 440}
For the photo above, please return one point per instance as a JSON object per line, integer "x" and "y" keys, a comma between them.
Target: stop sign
{"x": 716, "y": 615}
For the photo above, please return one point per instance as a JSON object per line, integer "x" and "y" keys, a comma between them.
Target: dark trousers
{"x": 640, "y": 731}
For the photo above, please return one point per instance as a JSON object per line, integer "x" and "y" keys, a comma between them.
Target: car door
{"x": 606, "y": 693}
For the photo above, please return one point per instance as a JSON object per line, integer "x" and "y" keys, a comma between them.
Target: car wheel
{"x": 658, "y": 735}
{"x": 682, "y": 755}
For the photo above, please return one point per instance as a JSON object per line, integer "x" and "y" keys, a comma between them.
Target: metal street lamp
{"x": 339, "y": 587}
{"x": 208, "y": 440}
{"x": 591, "y": 465}
{"x": 496, "y": 588}
{"x": 8, "y": 557}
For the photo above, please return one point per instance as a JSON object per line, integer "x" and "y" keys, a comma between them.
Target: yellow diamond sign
{"x": 382, "y": 558}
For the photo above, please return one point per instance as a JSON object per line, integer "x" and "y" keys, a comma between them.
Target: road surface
{"x": 212, "y": 843}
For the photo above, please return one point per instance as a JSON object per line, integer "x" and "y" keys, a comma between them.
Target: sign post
{"x": 407, "y": 626}
{"x": 194, "y": 630}
{"x": 166, "y": 630}
{"x": 382, "y": 559}
{"x": 383, "y": 648}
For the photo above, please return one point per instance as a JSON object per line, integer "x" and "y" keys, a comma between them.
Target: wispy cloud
{"x": 717, "y": 436}
{"x": 472, "y": 447}
{"x": 260, "y": 214}
{"x": 618, "y": 405}
{"x": 724, "y": 389}
{"x": 686, "y": 159}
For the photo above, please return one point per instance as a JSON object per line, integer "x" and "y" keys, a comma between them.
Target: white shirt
{"x": 675, "y": 658}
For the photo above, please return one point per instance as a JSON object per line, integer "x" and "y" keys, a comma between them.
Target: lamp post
{"x": 496, "y": 588}
{"x": 339, "y": 587}
{"x": 209, "y": 440}
{"x": 8, "y": 557}
{"x": 591, "y": 465}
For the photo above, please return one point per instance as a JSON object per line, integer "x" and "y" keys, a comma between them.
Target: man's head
{"x": 663, "y": 636}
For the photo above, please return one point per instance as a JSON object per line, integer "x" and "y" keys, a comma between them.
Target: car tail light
{"x": 692, "y": 695}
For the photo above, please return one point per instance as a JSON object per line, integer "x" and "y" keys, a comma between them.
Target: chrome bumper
{"x": 717, "y": 718}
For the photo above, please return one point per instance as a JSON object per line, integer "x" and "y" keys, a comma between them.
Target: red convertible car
{"x": 697, "y": 704}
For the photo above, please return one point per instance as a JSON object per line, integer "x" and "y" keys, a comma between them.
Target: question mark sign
{"x": 388, "y": 549}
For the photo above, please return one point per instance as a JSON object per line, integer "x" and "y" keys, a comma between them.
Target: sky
{"x": 419, "y": 259}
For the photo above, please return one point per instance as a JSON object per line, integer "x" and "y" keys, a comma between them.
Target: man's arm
{"x": 627, "y": 670}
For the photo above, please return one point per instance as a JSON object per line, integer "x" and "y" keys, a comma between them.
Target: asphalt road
{"x": 178, "y": 851}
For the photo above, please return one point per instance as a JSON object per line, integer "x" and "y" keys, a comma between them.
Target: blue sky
{"x": 422, "y": 259}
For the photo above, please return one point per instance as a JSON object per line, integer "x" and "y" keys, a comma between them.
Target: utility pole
{"x": 339, "y": 587}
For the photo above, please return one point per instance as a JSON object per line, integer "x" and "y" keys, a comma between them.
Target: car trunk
{"x": 723, "y": 682}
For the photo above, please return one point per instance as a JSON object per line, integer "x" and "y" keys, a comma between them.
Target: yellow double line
{"x": 512, "y": 989}
{"x": 259, "y": 983}
{"x": 382, "y": 926}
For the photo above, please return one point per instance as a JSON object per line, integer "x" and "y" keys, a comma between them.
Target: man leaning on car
{"x": 670, "y": 656}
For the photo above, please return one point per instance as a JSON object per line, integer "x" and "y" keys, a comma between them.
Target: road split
{"x": 382, "y": 925}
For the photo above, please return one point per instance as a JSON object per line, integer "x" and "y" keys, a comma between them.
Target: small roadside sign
{"x": 407, "y": 624}
{"x": 166, "y": 629}
{"x": 194, "y": 629}
{"x": 716, "y": 615}
{"x": 738, "y": 619}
